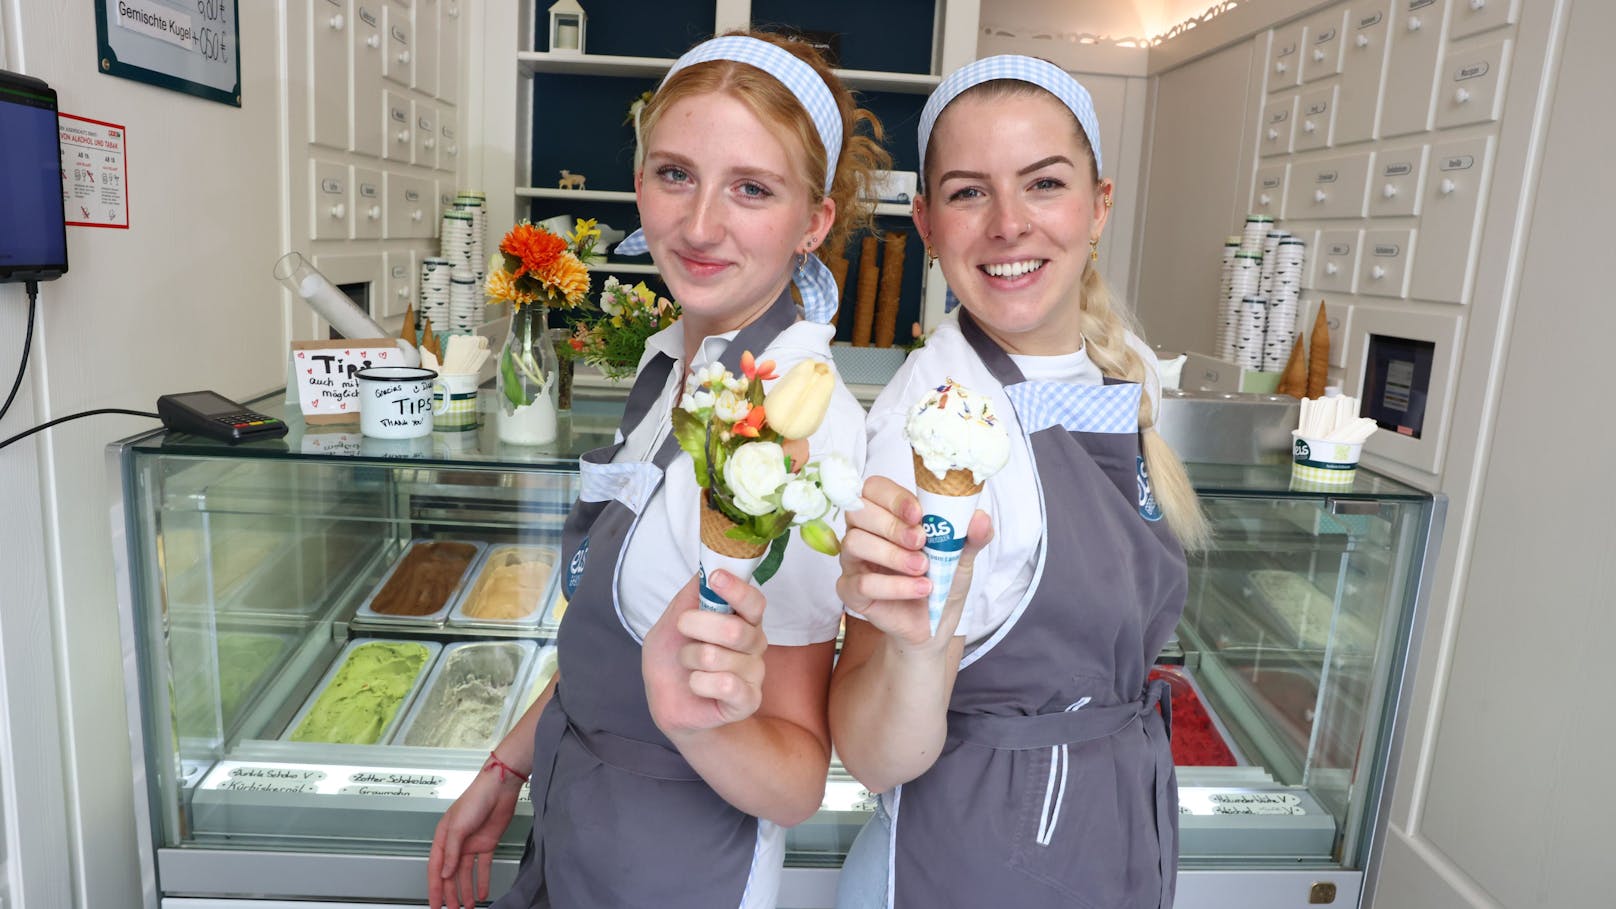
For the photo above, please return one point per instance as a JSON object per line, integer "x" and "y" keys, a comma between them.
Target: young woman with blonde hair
{"x": 677, "y": 744}
{"x": 1021, "y": 755}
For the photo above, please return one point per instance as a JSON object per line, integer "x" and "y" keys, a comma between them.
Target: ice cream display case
{"x": 328, "y": 633}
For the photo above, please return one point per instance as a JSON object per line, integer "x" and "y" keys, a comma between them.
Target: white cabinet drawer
{"x": 448, "y": 141}
{"x": 426, "y": 46}
{"x": 329, "y": 206}
{"x": 1268, "y": 192}
{"x": 398, "y": 60}
{"x": 411, "y": 207}
{"x": 369, "y": 202}
{"x": 449, "y": 51}
{"x": 1314, "y": 119}
{"x": 1337, "y": 256}
{"x": 1472, "y": 17}
{"x": 368, "y": 112}
{"x": 1328, "y": 188}
{"x": 401, "y": 277}
{"x": 1321, "y": 58}
{"x": 1279, "y": 118}
{"x": 1285, "y": 58}
{"x": 329, "y": 47}
{"x": 1383, "y": 267}
{"x": 1469, "y": 90}
{"x": 1450, "y": 220}
{"x": 1416, "y": 47}
{"x": 426, "y": 134}
{"x": 400, "y": 136}
{"x": 1362, "y": 59}
{"x": 1399, "y": 176}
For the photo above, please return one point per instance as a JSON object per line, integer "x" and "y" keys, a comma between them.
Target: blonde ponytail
{"x": 1105, "y": 331}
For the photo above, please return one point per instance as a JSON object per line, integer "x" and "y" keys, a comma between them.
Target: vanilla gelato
{"x": 954, "y": 428}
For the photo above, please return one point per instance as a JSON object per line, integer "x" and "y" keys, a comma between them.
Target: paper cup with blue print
{"x": 718, "y": 550}
{"x": 1321, "y": 463}
{"x": 947, "y": 503}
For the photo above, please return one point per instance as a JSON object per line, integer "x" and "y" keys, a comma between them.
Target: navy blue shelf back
{"x": 636, "y": 28}
{"x": 891, "y": 36}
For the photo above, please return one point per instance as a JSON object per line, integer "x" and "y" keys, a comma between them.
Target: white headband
{"x": 1041, "y": 73}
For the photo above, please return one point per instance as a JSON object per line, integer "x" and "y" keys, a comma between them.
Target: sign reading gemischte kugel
{"x": 190, "y": 46}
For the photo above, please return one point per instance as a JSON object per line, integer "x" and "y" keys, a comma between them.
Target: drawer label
{"x": 1458, "y": 162}
{"x": 1327, "y": 176}
{"x": 1399, "y": 169}
{"x": 368, "y": 190}
{"x": 1317, "y": 107}
{"x": 1388, "y": 250}
{"x": 1270, "y": 182}
{"x": 411, "y": 195}
{"x": 330, "y": 185}
{"x": 1280, "y": 115}
{"x": 425, "y": 123}
{"x": 1286, "y": 50}
{"x": 448, "y": 132}
{"x": 399, "y": 115}
{"x": 368, "y": 17}
{"x": 1471, "y": 71}
{"x": 277, "y": 774}
{"x": 398, "y": 271}
{"x": 1325, "y": 37}
{"x": 1369, "y": 21}
{"x": 1419, "y": 4}
{"x": 1340, "y": 249}
{"x": 399, "y": 35}
{"x": 396, "y": 779}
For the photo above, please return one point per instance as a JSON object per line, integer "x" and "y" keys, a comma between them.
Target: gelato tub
{"x": 465, "y": 702}
{"x": 365, "y": 694}
{"x": 422, "y": 584}
{"x": 510, "y": 588}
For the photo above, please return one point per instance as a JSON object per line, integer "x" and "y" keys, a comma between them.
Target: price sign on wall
{"x": 190, "y": 46}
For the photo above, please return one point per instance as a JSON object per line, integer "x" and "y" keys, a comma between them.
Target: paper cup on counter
{"x": 1320, "y": 463}
{"x": 454, "y": 402}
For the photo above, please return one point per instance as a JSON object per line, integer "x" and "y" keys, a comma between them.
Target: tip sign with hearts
{"x": 324, "y": 371}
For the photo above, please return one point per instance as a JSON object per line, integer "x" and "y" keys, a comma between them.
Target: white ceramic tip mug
{"x": 395, "y": 402}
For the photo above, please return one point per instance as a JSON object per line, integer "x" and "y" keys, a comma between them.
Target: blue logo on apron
{"x": 940, "y": 534}
{"x": 1149, "y": 509}
{"x": 575, "y": 568}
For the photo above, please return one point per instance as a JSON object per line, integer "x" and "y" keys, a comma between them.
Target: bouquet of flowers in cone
{"x": 749, "y": 452}
{"x": 612, "y": 338}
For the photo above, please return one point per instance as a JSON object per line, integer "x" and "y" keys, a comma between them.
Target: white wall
{"x": 181, "y": 300}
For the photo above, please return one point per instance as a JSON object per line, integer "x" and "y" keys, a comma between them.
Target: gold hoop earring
{"x": 931, "y": 256}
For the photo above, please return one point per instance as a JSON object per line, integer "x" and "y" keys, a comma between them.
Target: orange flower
{"x": 536, "y": 247}
{"x": 565, "y": 277}
{"x": 577, "y": 343}
{"x": 502, "y": 286}
{"x": 751, "y": 423}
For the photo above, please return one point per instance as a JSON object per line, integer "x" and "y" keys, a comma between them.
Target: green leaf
{"x": 510, "y": 382}
{"x": 821, "y": 537}
{"x": 771, "y": 562}
{"x": 691, "y": 431}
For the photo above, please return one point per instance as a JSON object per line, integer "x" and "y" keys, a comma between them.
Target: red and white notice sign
{"x": 95, "y": 174}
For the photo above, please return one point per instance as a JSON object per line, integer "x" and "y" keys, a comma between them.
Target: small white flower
{"x": 840, "y": 481}
{"x": 700, "y": 399}
{"x": 730, "y": 407}
{"x": 804, "y": 500}
{"x": 755, "y": 472}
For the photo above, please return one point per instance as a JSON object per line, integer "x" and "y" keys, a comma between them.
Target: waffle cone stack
{"x": 953, "y": 483}
{"x": 714, "y": 526}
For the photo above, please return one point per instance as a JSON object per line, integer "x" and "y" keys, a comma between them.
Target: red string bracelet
{"x": 504, "y": 768}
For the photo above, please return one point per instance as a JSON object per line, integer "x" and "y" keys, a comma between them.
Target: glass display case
{"x": 329, "y": 632}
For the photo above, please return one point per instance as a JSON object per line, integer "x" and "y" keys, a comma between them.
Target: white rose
{"x": 841, "y": 482}
{"x": 753, "y": 473}
{"x": 731, "y": 407}
{"x": 804, "y": 500}
{"x": 701, "y": 399}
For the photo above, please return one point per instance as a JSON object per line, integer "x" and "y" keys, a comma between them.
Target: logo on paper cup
{"x": 706, "y": 593}
{"x": 1301, "y": 451}
{"x": 941, "y": 535}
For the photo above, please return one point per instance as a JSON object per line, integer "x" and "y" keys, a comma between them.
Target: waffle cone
{"x": 953, "y": 483}
{"x": 714, "y": 526}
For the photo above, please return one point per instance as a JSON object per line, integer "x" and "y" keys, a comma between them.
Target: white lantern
{"x": 567, "y": 21}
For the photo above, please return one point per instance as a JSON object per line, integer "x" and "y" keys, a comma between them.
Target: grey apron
{"x": 1055, "y": 786}
{"x": 620, "y": 818}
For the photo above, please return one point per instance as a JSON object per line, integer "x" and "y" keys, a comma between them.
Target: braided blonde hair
{"x": 1105, "y": 326}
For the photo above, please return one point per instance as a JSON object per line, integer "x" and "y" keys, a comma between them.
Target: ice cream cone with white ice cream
{"x": 957, "y": 443}
{"x": 753, "y": 489}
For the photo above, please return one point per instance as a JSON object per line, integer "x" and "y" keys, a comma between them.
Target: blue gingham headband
{"x": 1041, "y": 73}
{"x": 814, "y": 281}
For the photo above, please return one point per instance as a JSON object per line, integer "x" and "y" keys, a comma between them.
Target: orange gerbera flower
{"x": 501, "y": 286}
{"x": 566, "y": 277}
{"x": 536, "y": 247}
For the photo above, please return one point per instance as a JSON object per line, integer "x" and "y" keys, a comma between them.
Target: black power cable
{"x": 74, "y": 416}
{"x": 27, "y": 343}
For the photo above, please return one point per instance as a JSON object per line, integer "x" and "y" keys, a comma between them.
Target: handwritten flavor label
{"x": 397, "y": 779}
{"x": 277, "y": 774}
{"x": 263, "y": 786}
{"x": 94, "y": 173}
{"x": 1254, "y": 798}
{"x": 419, "y": 792}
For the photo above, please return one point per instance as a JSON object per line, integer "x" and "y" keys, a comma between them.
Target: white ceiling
{"x": 1101, "y": 18}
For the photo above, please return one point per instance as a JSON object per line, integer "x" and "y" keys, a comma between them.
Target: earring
{"x": 931, "y": 256}
{"x": 802, "y": 259}
{"x": 1107, "y": 200}
{"x": 1094, "y": 250}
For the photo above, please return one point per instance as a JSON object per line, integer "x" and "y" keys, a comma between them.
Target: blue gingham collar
{"x": 1041, "y": 73}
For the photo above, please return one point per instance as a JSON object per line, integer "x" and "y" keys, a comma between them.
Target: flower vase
{"x": 528, "y": 370}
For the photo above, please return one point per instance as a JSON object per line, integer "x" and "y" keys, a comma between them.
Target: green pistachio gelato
{"x": 364, "y": 695}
